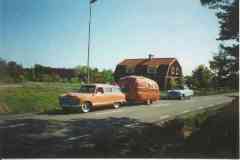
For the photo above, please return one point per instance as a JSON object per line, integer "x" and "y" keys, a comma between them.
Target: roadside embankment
{"x": 32, "y": 97}
{"x": 210, "y": 134}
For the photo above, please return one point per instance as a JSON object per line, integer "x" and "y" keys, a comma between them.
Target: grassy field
{"x": 32, "y": 97}
{"x": 205, "y": 92}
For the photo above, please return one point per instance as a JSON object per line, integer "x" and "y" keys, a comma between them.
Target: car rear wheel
{"x": 86, "y": 107}
{"x": 182, "y": 97}
{"x": 116, "y": 105}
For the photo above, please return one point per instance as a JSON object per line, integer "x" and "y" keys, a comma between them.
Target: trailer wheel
{"x": 149, "y": 101}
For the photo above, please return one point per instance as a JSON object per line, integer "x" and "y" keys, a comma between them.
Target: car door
{"x": 100, "y": 97}
{"x": 109, "y": 95}
{"x": 186, "y": 91}
{"x": 117, "y": 95}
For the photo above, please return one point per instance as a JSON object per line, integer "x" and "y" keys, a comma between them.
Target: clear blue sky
{"x": 55, "y": 32}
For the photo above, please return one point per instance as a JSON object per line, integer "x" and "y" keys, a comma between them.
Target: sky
{"x": 55, "y": 32}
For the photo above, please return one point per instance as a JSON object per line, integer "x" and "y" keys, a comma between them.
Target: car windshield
{"x": 87, "y": 89}
{"x": 179, "y": 87}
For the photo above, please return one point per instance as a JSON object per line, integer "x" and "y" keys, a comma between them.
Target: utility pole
{"x": 89, "y": 39}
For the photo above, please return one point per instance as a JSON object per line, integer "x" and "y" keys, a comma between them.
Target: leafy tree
{"x": 226, "y": 62}
{"x": 39, "y": 72}
{"x": 189, "y": 81}
{"x": 201, "y": 77}
{"x": 56, "y": 78}
{"x": 108, "y": 76}
{"x": 172, "y": 84}
{"x": 180, "y": 82}
{"x": 221, "y": 67}
{"x": 28, "y": 74}
{"x": 4, "y": 75}
{"x": 15, "y": 71}
{"x": 82, "y": 72}
{"x": 96, "y": 76}
{"x": 227, "y": 14}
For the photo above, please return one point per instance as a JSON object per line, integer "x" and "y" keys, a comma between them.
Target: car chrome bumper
{"x": 173, "y": 97}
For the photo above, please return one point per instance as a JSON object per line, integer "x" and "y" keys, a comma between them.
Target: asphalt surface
{"x": 155, "y": 112}
{"x": 130, "y": 131}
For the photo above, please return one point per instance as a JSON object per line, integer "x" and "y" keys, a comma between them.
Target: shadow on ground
{"x": 120, "y": 138}
{"x": 60, "y": 111}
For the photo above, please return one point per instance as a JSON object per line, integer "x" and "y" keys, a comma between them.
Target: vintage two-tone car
{"x": 92, "y": 96}
{"x": 180, "y": 93}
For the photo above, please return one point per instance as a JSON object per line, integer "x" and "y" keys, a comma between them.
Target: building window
{"x": 173, "y": 71}
{"x": 177, "y": 71}
{"x": 129, "y": 70}
{"x": 151, "y": 70}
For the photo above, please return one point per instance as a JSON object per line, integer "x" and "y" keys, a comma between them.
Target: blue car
{"x": 181, "y": 93}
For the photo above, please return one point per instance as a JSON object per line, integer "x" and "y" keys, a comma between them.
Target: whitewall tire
{"x": 86, "y": 107}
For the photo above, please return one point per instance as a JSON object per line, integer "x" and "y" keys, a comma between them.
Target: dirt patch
{"x": 4, "y": 108}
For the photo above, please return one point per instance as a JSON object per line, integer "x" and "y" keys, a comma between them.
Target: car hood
{"x": 176, "y": 90}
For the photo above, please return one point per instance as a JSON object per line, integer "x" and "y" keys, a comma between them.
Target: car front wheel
{"x": 86, "y": 107}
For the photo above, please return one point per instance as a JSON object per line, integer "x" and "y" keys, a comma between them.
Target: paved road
{"x": 145, "y": 113}
{"x": 103, "y": 133}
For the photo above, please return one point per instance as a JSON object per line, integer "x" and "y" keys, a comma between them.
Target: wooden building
{"x": 162, "y": 70}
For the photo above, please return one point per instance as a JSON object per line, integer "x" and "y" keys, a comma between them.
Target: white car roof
{"x": 102, "y": 85}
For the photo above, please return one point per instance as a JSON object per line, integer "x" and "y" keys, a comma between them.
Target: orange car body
{"x": 95, "y": 94}
{"x": 140, "y": 89}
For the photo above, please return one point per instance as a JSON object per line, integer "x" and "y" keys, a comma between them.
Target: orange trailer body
{"x": 139, "y": 89}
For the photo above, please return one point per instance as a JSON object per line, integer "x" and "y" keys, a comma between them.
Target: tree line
{"x": 225, "y": 63}
{"x": 223, "y": 69}
{"x": 11, "y": 72}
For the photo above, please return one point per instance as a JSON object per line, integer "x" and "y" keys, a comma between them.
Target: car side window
{"x": 108, "y": 90}
{"x": 186, "y": 88}
{"x": 99, "y": 90}
{"x": 116, "y": 90}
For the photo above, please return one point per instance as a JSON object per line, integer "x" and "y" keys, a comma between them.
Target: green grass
{"x": 33, "y": 97}
{"x": 204, "y": 92}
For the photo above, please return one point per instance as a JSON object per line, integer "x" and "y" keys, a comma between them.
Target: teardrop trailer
{"x": 139, "y": 89}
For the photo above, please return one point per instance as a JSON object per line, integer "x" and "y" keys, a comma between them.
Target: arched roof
{"x": 147, "y": 62}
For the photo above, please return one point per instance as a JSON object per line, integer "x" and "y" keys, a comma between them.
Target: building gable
{"x": 158, "y": 69}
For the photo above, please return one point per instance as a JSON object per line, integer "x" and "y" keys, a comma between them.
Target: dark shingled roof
{"x": 147, "y": 62}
